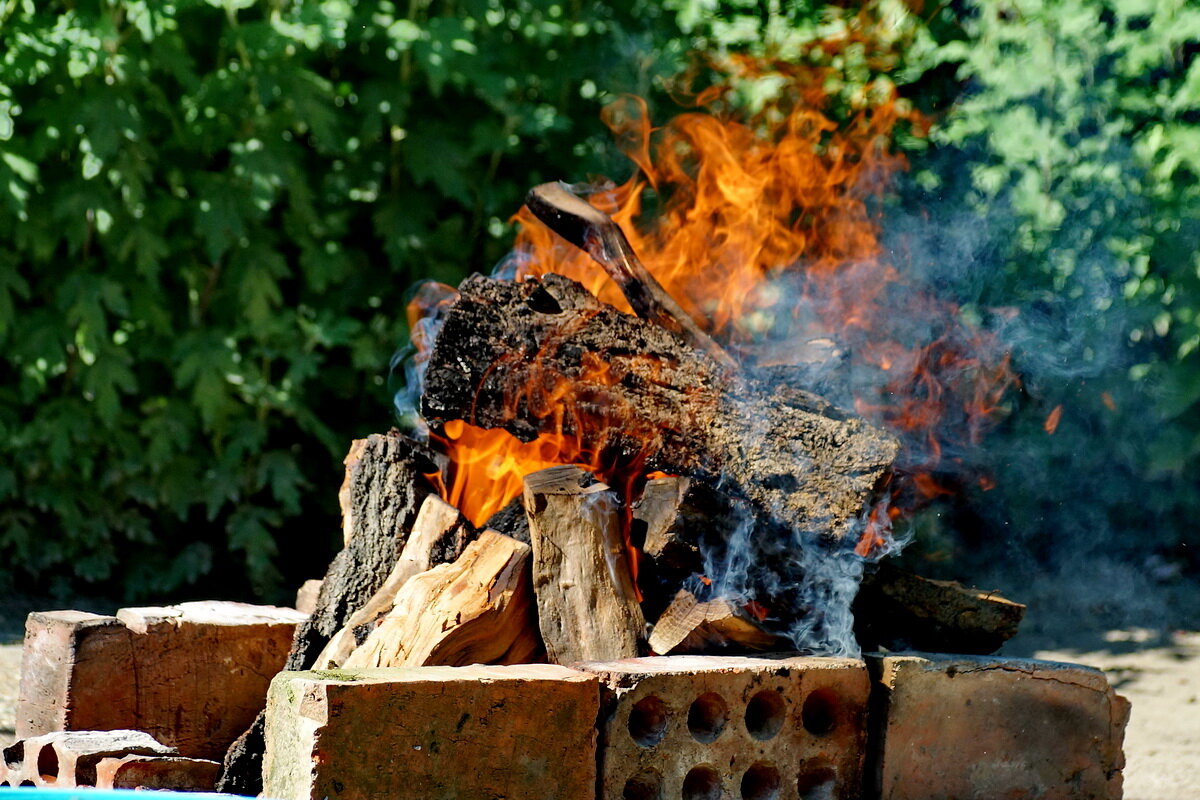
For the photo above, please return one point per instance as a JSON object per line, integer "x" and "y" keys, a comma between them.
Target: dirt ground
{"x": 1159, "y": 673}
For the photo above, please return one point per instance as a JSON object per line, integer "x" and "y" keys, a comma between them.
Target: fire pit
{"x": 617, "y": 553}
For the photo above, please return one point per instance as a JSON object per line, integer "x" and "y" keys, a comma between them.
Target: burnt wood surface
{"x": 901, "y": 610}
{"x": 385, "y": 487}
{"x": 545, "y": 355}
{"x": 598, "y": 235}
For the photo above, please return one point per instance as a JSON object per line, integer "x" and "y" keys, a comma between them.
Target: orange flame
{"x": 762, "y": 226}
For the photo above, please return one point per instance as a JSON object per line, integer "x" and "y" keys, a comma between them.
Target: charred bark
{"x": 901, "y": 610}
{"x": 546, "y": 356}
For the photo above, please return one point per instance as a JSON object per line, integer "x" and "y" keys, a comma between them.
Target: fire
{"x": 488, "y": 465}
{"x": 762, "y": 229}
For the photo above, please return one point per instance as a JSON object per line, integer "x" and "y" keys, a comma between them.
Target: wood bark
{"x": 586, "y": 602}
{"x": 439, "y": 535}
{"x": 900, "y": 610}
{"x": 690, "y": 626}
{"x": 385, "y": 487}
{"x": 477, "y": 610}
{"x": 546, "y": 356}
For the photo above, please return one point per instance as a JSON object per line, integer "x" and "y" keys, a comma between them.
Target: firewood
{"x": 385, "y": 487}
{"x": 901, "y": 610}
{"x": 598, "y": 235}
{"x": 587, "y": 605}
{"x": 689, "y": 626}
{"x": 476, "y": 610}
{"x": 546, "y": 356}
{"x": 439, "y": 535}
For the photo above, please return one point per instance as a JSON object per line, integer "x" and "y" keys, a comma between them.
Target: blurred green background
{"x": 211, "y": 213}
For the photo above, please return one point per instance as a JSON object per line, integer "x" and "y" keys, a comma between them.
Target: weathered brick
{"x": 67, "y": 759}
{"x": 703, "y": 727}
{"x": 194, "y": 675}
{"x": 982, "y": 728}
{"x": 173, "y": 773}
{"x": 436, "y": 733}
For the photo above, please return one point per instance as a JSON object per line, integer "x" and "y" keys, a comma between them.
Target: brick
{"x": 980, "y": 728}
{"x": 522, "y": 732}
{"x": 172, "y": 773}
{"x": 703, "y": 727}
{"x": 194, "y": 675}
{"x": 67, "y": 759}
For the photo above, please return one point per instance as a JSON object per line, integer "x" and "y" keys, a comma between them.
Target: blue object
{"x": 36, "y": 793}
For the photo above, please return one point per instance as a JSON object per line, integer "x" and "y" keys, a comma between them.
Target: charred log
{"x": 546, "y": 356}
{"x": 900, "y": 610}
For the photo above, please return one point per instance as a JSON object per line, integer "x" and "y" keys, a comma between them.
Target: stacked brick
{"x": 895, "y": 727}
{"x": 193, "y": 676}
{"x": 104, "y": 760}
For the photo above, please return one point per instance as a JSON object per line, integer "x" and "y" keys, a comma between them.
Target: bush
{"x": 212, "y": 212}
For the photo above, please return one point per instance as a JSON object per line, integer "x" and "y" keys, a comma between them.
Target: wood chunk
{"x": 306, "y": 596}
{"x": 476, "y": 610}
{"x": 509, "y": 352}
{"x": 587, "y": 605}
{"x": 439, "y": 535}
{"x": 385, "y": 486}
{"x": 899, "y": 610}
{"x": 689, "y": 626}
{"x": 511, "y": 521}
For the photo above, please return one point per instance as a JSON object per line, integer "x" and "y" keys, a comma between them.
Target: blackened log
{"x": 385, "y": 485}
{"x": 546, "y": 356}
{"x": 598, "y": 235}
{"x": 900, "y": 610}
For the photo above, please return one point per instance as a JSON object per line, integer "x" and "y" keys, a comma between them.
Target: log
{"x": 439, "y": 535}
{"x": 598, "y": 235}
{"x": 900, "y": 610}
{"x": 586, "y": 602}
{"x": 385, "y": 487}
{"x": 689, "y": 626}
{"x": 543, "y": 355}
{"x": 477, "y": 610}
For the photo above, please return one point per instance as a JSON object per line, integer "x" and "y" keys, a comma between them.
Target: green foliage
{"x": 1075, "y": 140}
{"x": 212, "y": 212}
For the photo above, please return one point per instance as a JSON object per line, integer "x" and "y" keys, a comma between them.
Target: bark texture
{"x": 546, "y": 356}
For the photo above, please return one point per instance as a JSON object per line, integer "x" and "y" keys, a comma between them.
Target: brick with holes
{"x": 193, "y": 675}
{"x": 709, "y": 727}
{"x": 522, "y": 732}
{"x": 980, "y": 728}
{"x": 67, "y": 759}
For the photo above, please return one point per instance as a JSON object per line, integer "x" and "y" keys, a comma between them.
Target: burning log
{"x": 476, "y": 610}
{"x": 439, "y": 535}
{"x": 594, "y": 232}
{"x": 689, "y": 626}
{"x": 587, "y": 604}
{"x": 544, "y": 356}
{"x": 900, "y": 610}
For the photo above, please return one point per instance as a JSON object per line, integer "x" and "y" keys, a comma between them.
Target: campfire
{"x": 651, "y": 468}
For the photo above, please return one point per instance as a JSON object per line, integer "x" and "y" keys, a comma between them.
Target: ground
{"x": 1159, "y": 673}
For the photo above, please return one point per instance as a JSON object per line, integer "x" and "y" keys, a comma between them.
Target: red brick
{"x": 173, "y": 773}
{"x": 67, "y": 759}
{"x": 756, "y": 728}
{"x": 435, "y": 733}
{"x": 194, "y": 675}
{"x": 980, "y": 728}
